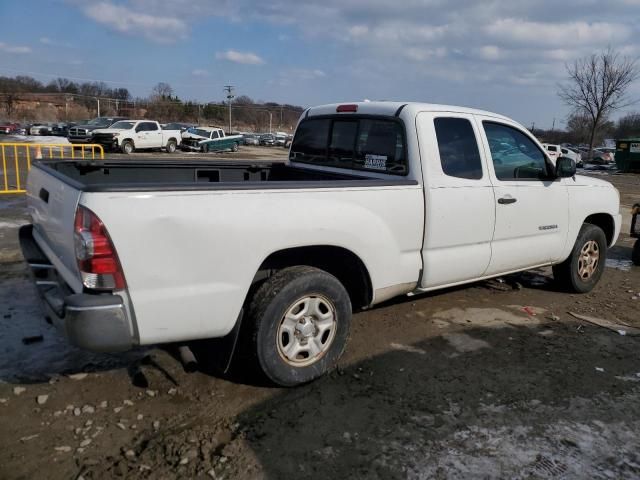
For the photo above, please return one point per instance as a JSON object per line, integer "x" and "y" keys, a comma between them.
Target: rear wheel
{"x": 582, "y": 270}
{"x": 127, "y": 147}
{"x": 171, "y": 146}
{"x": 299, "y": 321}
{"x": 234, "y": 148}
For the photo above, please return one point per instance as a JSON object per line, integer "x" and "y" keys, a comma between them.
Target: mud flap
{"x": 220, "y": 351}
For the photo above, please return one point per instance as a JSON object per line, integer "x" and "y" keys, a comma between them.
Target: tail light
{"x": 97, "y": 258}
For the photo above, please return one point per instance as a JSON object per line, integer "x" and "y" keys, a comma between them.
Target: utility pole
{"x": 553, "y": 125}
{"x": 230, "y": 96}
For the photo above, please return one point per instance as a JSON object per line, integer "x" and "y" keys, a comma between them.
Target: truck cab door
{"x": 459, "y": 202}
{"x": 140, "y": 139}
{"x": 154, "y": 135}
{"x": 532, "y": 207}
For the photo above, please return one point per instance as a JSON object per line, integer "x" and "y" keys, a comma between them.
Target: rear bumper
{"x": 97, "y": 322}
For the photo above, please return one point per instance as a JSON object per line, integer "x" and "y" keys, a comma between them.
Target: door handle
{"x": 507, "y": 200}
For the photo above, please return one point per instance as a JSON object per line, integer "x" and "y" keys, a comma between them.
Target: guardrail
{"x": 16, "y": 160}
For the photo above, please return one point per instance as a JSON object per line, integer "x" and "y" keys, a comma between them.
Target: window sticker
{"x": 375, "y": 162}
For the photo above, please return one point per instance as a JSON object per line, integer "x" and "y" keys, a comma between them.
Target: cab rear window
{"x": 371, "y": 144}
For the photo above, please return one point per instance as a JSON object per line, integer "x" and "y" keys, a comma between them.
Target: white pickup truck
{"x": 131, "y": 135}
{"x": 378, "y": 199}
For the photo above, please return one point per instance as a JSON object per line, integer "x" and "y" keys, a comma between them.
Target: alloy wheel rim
{"x": 588, "y": 260}
{"x": 307, "y": 330}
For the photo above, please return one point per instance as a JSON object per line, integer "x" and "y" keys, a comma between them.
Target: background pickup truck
{"x": 84, "y": 133}
{"x": 129, "y": 135}
{"x": 209, "y": 139}
{"x": 379, "y": 199}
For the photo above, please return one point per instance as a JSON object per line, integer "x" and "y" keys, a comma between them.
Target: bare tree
{"x": 598, "y": 86}
{"x": 162, "y": 91}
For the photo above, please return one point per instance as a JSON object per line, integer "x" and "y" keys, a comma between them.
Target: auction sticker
{"x": 375, "y": 162}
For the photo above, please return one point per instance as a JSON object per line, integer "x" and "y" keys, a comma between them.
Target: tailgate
{"x": 52, "y": 206}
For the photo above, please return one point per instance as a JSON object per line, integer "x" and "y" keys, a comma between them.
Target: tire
{"x": 635, "y": 253}
{"x": 171, "y": 146}
{"x": 204, "y": 148}
{"x": 127, "y": 147}
{"x": 234, "y": 148}
{"x": 582, "y": 270}
{"x": 289, "y": 347}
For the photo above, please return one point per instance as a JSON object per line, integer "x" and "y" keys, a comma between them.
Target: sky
{"x": 506, "y": 56}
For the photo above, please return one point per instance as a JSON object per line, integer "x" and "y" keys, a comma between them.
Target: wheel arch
{"x": 606, "y": 222}
{"x": 340, "y": 262}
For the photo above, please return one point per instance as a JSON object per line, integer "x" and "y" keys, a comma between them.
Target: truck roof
{"x": 391, "y": 108}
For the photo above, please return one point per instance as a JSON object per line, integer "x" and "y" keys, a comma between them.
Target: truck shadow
{"x": 516, "y": 401}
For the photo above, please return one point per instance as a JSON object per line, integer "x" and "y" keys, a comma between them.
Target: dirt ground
{"x": 493, "y": 380}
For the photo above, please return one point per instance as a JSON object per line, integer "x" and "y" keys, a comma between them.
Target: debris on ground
{"x": 617, "y": 327}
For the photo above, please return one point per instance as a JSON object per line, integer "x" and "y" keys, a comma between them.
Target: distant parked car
{"x": 281, "y": 139}
{"x": 602, "y": 156}
{"x": 267, "y": 140}
{"x": 575, "y": 156}
{"x": 552, "y": 150}
{"x": 8, "y": 127}
{"x": 61, "y": 129}
{"x": 251, "y": 139}
{"x": 40, "y": 129}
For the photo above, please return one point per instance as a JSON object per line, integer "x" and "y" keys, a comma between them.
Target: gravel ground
{"x": 493, "y": 380}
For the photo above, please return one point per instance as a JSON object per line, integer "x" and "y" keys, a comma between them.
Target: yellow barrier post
{"x": 55, "y": 150}
{"x": 4, "y": 171}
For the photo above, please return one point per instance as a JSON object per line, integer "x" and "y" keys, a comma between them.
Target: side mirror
{"x": 565, "y": 167}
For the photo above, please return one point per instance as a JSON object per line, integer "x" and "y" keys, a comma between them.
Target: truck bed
{"x": 91, "y": 176}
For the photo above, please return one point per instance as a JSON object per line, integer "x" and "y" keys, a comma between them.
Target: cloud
{"x": 199, "y": 73}
{"x": 291, "y": 76}
{"x": 46, "y": 41}
{"x": 555, "y": 34}
{"x": 244, "y": 58}
{"x": 159, "y": 28}
{"x": 20, "y": 49}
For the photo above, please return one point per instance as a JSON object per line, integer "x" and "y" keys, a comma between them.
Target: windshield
{"x": 198, "y": 131}
{"x": 123, "y": 125}
{"x": 101, "y": 122}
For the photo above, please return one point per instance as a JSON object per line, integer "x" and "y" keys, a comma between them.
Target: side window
{"x": 552, "y": 148}
{"x": 310, "y": 141}
{"x": 459, "y": 154}
{"x": 515, "y": 156}
{"x": 152, "y": 127}
{"x": 140, "y": 127}
{"x": 214, "y": 134}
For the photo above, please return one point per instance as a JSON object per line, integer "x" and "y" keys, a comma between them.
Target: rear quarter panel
{"x": 189, "y": 257}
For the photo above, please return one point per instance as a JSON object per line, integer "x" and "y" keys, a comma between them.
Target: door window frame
{"x": 543, "y": 151}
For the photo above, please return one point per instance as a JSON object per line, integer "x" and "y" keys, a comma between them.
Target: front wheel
{"x": 204, "y": 148}
{"x": 582, "y": 270}
{"x": 299, "y": 321}
{"x": 127, "y": 147}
